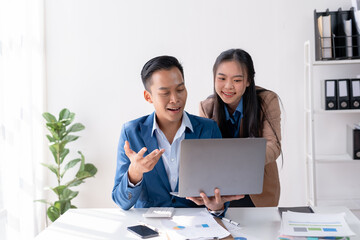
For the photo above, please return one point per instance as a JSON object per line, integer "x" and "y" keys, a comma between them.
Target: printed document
{"x": 188, "y": 226}
{"x": 315, "y": 225}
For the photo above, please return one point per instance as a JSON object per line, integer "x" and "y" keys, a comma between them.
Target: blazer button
{"x": 173, "y": 200}
{"x": 129, "y": 195}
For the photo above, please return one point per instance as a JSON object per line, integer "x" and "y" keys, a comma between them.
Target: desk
{"x": 100, "y": 224}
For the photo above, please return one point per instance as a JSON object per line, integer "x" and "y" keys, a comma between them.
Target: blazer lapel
{"x": 197, "y": 128}
{"x": 151, "y": 144}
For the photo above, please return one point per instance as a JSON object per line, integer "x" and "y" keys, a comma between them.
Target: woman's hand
{"x": 214, "y": 203}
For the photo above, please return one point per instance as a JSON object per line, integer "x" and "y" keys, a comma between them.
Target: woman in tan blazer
{"x": 242, "y": 109}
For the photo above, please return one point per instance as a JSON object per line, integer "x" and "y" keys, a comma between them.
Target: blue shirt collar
{"x": 185, "y": 123}
{"x": 237, "y": 115}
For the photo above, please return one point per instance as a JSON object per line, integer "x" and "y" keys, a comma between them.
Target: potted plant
{"x": 60, "y": 135}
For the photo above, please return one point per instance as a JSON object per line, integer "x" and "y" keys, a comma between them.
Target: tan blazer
{"x": 271, "y": 188}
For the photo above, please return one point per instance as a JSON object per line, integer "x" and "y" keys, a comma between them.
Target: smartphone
{"x": 143, "y": 231}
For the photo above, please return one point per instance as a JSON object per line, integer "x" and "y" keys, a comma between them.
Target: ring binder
{"x": 343, "y": 94}
{"x": 353, "y": 142}
{"x": 330, "y": 94}
{"x": 355, "y": 93}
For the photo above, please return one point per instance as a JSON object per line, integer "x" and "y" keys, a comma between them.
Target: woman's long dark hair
{"x": 254, "y": 106}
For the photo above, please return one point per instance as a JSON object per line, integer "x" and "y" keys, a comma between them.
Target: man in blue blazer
{"x": 148, "y": 150}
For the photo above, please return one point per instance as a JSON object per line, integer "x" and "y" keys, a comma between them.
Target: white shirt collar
{"x": 185, "y": 123}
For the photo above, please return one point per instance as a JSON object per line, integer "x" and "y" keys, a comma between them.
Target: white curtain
{"x": 22, "y": 146}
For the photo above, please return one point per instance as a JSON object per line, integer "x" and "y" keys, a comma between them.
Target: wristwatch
{"x": 217, "y": 212}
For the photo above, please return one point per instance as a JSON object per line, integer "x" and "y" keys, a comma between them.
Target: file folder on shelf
{"x": 353, "y": 141}
{"x": 348, "y": 33}
{"x": 337, "y": 34}
{"x": 355, "y": 16}
{"x": 340, "y": 34}
{"x": 330, "y": 94}
{"x": 355, "y": 93}
{"x": 343, "y": 94}
{"x": 324, "y": 23}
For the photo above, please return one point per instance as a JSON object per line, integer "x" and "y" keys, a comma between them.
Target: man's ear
{"x": 147, "y": 96}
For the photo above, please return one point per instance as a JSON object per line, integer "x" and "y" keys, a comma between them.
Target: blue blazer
{"x": 154, "y": 190}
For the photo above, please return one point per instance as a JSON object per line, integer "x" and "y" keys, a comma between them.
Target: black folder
{"x": 330, "y": 94}
{"x": 353, "y": 141}
{"x": 354, "y": 93}
{"x": 356, "y": 35}
{"x": 343, "y": 94}
{"x": 340, "y": 36}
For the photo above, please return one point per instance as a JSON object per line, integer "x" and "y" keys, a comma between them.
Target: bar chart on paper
{"x": 319, "y": 225}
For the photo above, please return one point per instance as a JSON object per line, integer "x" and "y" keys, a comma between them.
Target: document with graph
{"x": 315, "y": 225}
{"x": 189, "y": 226}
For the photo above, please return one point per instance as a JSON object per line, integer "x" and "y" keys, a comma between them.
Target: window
{"x": 21, "y": 106}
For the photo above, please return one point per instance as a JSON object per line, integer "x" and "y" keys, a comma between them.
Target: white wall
{"x": 96, "y": 49}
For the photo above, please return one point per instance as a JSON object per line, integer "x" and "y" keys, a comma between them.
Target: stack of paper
{"x": 324, "y": 25}
{"x": 305, "y": 225}
{"x": 348, "y": 33}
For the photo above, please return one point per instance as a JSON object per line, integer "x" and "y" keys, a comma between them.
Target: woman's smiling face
{"x": 231, "y": 82}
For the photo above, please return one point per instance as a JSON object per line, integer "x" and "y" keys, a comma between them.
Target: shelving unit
{"x": 333, "y": 177}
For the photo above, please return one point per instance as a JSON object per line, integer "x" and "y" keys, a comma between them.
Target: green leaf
{"x": 64, "y": 114}
{"x": 43, "y": 201}
{"x": 83, "y": 174}
{"x": 70, "y": 164}
{"x": 74, "y": 183}
{"x": 68, "y": 194}
{"x": 66, "y": 207}
{"x": 63, "y": 205}
{"x": 62, "y": 132}
{"x": 89, "y": 171}
{"x": 55, "y": 149}
{"x": 54, "y": 133}
{"x": 70, "y": 119}
{"x": 76, "y": 127}
{"x": 49, "y": 117}
{"x": 59, "y": 189}
{"x": 62, "y": 145}
{"x": 51, "y": 139}
{"x": 73, "y": 194}
{"x": 90, "y": 168}
{"x": 52, "y": 168}
{"x": 82, "y": 166}
{"x": 53, "y": 213}
{"x": 73, "y": 206}
{"x": 53, "y": 126}
{"x": 70, "y": 138}
{"x": 63, "y": 154}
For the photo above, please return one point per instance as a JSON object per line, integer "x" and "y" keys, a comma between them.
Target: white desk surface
{"x": 111, "y": 223}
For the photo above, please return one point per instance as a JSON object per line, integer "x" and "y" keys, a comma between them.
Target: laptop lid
{"x": 234, "y": 165}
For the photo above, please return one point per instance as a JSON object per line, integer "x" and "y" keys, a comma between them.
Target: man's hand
{"x": 140, "y": 164}
{"x": 214, "y": 203}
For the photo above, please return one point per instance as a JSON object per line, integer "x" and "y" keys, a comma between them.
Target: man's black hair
{"x": 156, "y": 64}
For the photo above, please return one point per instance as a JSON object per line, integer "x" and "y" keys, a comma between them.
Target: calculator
{"x": 159, "y": 212}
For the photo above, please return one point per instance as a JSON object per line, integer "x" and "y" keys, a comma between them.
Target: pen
{"x": 149, "y": 226}
{"x": 202, "y": 238}
{"x": 231, "y": 221}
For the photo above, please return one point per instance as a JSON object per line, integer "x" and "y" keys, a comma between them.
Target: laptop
{"x": 234, "y": 165}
